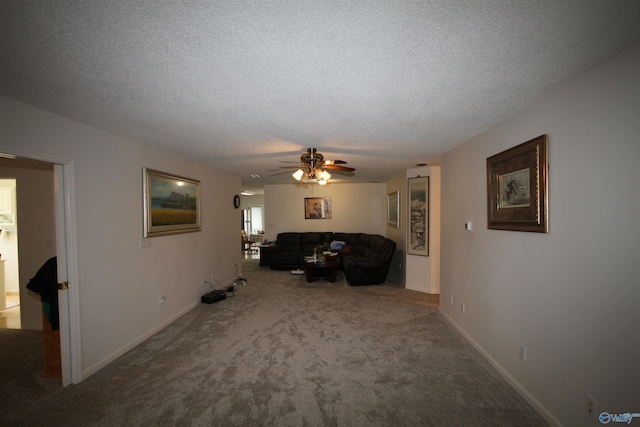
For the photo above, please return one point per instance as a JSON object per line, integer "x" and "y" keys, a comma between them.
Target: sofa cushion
{"x": 311, "y": 240}
{"x": 349, "y": 238}
{"x": 288, "y": 242}
{"x": 368, "y": 240}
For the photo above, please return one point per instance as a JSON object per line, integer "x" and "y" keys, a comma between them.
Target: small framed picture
{"x": 171, "y": 204}
{"x": 517, "y": 188}
{"x": 317, "y": 208}
{"x": 393, "y": 209}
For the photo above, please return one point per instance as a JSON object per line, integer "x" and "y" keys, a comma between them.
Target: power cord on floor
{"x": 239, "y": 280}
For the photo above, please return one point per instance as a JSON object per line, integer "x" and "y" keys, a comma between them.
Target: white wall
{"x": 570, "y": 296}
{"x": 120, "y": 284}
{"x": 357, "y": 208}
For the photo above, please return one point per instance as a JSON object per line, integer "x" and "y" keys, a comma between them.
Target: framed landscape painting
{"x": 171, "y": 204}
{"x": 418, "y": 209}
{"x": 517, "y": 188}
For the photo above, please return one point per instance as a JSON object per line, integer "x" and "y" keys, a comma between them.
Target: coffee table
{"x": 325, "y": 269}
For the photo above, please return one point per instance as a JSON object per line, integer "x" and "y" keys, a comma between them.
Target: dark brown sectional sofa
{"x": 365, "y": 258}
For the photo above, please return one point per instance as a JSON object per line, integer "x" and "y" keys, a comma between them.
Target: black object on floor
{"x": 213, "y": 296}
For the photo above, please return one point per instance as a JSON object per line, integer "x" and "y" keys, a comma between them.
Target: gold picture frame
{"x": 517, "y": 193}
{"x": 171, "y": 204}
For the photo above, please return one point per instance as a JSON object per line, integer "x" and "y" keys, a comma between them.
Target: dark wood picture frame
{"x": 517, "y": 188}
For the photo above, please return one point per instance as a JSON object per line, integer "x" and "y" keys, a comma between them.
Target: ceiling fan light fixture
{"x": 297, "y": 175}
{"x": 313, "y": 167}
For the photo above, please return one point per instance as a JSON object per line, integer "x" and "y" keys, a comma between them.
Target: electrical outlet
{"x": 451, "y": 299}
{"x": 523, "y": 353}
{"x": 591, "y": 406}
{"x": 462, "y": 308}
{"x": 161, "y": 301}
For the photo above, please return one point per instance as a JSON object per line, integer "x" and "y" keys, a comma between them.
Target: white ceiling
{"x": 241, "y": 85}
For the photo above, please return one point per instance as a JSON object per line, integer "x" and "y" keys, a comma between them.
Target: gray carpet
{"x": 283, "y": 352}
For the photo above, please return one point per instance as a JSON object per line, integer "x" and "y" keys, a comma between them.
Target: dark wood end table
{"x": 265, "y": 250}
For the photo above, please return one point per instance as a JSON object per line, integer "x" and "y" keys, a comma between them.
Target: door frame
{"x": 67, "y": 256}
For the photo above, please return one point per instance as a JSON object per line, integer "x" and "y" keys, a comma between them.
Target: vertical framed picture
{"x": 171, "y": 204}
{"x": 418, "y": 216}
{"x": 317, "y": 208}
{"x": 517, "y": 188}
{"x": 393, "y": 209}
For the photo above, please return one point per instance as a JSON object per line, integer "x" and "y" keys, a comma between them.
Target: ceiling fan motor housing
{"x": 311, "y": 156}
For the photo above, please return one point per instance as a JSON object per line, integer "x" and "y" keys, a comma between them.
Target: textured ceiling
{"x": 241, "y": 85}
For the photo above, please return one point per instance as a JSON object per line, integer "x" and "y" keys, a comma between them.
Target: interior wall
{"x": 120, "y": 283}
{"x": 570, "y": 296}
{"x": 36, "y": 234}
{"x": 356, "y": 208}
{"x": 399, "y": 235}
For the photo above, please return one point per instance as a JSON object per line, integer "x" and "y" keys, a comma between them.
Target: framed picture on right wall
{"x": 517, "y": 188}
{"x": 418, "y": 220}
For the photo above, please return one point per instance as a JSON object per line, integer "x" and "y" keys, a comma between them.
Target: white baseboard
{"x": 537, "y": 406}
{"x": 113, "y": 356}
{"x": 425, "y": 290}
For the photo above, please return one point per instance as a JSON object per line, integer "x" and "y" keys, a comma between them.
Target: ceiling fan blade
{"x": 339, "y": 168}
{"x": 335, "y": 162}
{"x": 290, "y": 167}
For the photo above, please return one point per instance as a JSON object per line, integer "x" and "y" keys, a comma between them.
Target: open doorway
{"x": 45, "y": 200}
{"x": 9, "y": 276}
{"x": 28, "y": 236}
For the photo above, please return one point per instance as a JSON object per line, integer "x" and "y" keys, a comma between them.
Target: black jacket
{"x": 45, "y": 283}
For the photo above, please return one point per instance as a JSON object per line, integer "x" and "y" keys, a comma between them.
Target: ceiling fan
{"x": 313, "y": 167}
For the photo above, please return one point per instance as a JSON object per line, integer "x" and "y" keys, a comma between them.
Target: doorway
{"x": 59, "y": 242}
{"x": 28, "y": 235}
{"x": 9, "y": 267}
